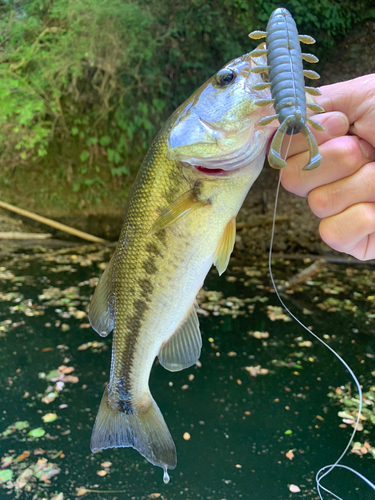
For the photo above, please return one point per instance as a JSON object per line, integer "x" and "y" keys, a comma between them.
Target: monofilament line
{"x": 324, "y": 471}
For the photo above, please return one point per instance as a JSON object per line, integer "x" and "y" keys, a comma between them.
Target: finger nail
{"x": 337, "y": 124}
{"x": 367, "y": 150}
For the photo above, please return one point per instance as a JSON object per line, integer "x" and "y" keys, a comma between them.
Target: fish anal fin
{"x": 144, "y": 430}
{"x": 225, "y": 246}
{"x": 185, "y": 204}
{"x": 100, "y": 316}
{"x": 184, "y": 347}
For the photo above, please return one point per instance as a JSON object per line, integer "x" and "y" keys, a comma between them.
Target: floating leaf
{"x": 5, "y": 475}
{"x": 24, "y": 478}
{"x": 23, "y": 455}
{"x": 21, "y": 425}
{"x": 49, "y": 417}
{"x": 259, "y": 335}
{"x": 48, "y": 398}
{"x": 5, "y": 461}
{"x": 256, "y": 370}
{"x": 294, "y": 489}
{"x": 65, "y": 369}
{"x": 36, "y": 433}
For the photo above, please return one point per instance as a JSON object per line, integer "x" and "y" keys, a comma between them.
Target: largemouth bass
{"x": 180, "y": 220}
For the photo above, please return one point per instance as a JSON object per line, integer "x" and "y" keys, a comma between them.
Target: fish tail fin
{"x": 143, "y": 429}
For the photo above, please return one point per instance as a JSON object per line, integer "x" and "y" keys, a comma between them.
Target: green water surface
{"x": 240, "y": 426}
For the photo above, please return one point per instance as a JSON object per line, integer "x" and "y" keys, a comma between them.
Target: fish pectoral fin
{"x": 225, "y": 246}
{"x": 185, "y": 204}
{"x": 184, "y": 347}
{"x": 143, "y": 429}
{"x": 100, "y": 317}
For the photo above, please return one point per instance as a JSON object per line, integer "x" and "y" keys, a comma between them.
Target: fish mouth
{"x": 211, "y": 171}
{"x": 226, "y": 163}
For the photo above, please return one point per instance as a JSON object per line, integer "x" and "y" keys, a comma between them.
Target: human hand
{"x": 342, "y": 190}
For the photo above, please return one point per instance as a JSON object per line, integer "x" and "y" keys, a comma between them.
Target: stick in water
{"x": 52, "y": 223}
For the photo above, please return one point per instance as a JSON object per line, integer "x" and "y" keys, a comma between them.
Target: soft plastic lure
{"x": 286, "y": 80}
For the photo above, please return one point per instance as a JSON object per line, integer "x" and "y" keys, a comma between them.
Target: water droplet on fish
{"x": 166, "y": 477}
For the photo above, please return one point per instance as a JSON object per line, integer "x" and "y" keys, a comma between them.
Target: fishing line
{"x": 324, "y": 471}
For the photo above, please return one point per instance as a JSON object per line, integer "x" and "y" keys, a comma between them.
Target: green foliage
{"x": 325, "y": 20}
{"x": 90, "y": 82}
{"x": 70, "y": 77}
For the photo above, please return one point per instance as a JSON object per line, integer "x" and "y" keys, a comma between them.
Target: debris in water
{"x": 290, "y": 454}
{"x": 36, "y": 433}
{"x": 106, "y": 464}
{"x": 275, "y": 312}
{"x": 49, "y": 417}
{"x": 294, "y": 489}
{"x": 256, "y": 370}
{"x": 259, "y": 335}
{"x": 6, "y": 475}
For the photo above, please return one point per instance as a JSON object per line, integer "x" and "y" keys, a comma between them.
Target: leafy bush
{"x": 66, "y": 69}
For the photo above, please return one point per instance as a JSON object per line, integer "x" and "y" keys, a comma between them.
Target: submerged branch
{"x": 52, "y": 223}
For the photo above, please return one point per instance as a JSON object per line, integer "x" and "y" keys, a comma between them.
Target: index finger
{"x": 356, "y": 99}
{"x": 335, "y": 124}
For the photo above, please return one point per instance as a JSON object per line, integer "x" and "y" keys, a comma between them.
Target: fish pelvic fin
{"x": 225, "y": 246}
{"x": 185, "y": 204}
{"x": 100, "y": 316}
{"x": 143, "y": 429}
{"x": 184, "y": 347}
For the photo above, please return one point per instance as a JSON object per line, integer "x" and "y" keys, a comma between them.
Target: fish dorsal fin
{"x": 184, "y": 204}
{"x": 225, "y": 246}
{"x": 184, "y": 347}
{"x": 100, "y": 316}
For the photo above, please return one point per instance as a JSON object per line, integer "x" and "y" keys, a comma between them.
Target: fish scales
{"x": 179, "y": 220}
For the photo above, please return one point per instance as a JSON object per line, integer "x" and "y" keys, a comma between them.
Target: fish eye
{"x": 265, "y": 76}
{"x": 224, "y": 77}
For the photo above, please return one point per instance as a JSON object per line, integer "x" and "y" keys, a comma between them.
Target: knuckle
{"x": 319, "y": 201}
{"x": 352, "y": 151}
{"x": 366, "y": 214}
{"x": 333, "y": 232}
{"x": 291, "y": 178}
{"x": 328, "y": 233}
{"x": 367, "y": 174}
{"x": 289, "y": 181}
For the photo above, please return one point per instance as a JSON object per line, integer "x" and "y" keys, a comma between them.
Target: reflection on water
{"x": 251, "y": 420}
